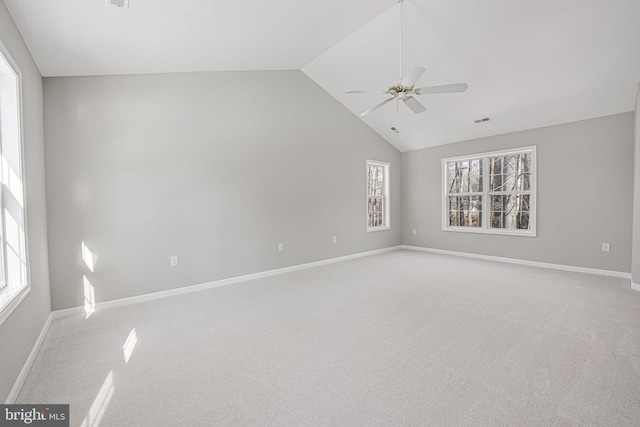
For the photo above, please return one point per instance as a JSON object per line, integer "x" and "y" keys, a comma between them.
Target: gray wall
{"x": 216, "y": 168}
{"x": 20, "y": 330}
{"x": 635, "y": 261}
{"x": 585, "y": 176}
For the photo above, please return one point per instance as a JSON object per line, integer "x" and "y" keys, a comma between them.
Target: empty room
{"x": 319, "y": 213}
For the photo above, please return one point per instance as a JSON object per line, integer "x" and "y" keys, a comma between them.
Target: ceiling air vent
{"x": 118, "y": 3}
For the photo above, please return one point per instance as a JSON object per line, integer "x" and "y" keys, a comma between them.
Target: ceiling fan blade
{"x": 375, "y": 107}
{"x": 415, "y": 105}
{"x": 412, "y": 76}
{"x": 378, "y": 92}
{"x": 457, "y": 87}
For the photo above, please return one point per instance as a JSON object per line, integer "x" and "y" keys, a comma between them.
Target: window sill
{"x": 10, "y": 299}
{"x": 369, "y": 230}
{"x": 519, "y": 233}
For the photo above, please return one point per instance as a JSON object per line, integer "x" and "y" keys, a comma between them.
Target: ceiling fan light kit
{"x": 404, "y": 89}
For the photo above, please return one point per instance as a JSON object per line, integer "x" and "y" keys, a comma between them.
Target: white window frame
{"x": 13, "y": 294}
{"x": 386, "y": 197}
{"x": 485, "y": 228}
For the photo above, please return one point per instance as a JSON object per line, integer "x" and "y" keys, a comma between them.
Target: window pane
{"x": 464, "y": 203}
{"x": 464, "y": 176}
{"x": 451, "y": 178}
{"x": 465, "y": 211}
{"x": 496, "y": 165}
{"x": 476, "y": 203}
{"x": 454, "y": 219}
{"x": 379, "y": 181}
{"x": 526, "y": 181}
{"x": 455, "y": 178}
{"x": 475, "y": 176}
{"x": 495, "y": 220}
{"x": 510, "y": 211}
{"x": 376, "y": 212}
{"x": 453, "y": 203}
{"x": 495, "y": 182}
{"x": 511, "y": 172}
{"x": 523, "y": 215}
{"x": 475, "y": 211}
{"x": 495, "y": 203}
{"x": 523, "y": 220}
{"x": 375, "y": 180}
{"x": 464, "y": 219}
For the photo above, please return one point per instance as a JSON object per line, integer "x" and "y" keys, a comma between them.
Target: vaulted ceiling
{"x": 528, "y": 63}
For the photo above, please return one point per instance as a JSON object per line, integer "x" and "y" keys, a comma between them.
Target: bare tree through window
{"x": 510, "y": 188}
{"x": 465, "y": 183}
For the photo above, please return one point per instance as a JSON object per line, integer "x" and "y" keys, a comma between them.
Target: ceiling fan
{"x": 404, "y": 89}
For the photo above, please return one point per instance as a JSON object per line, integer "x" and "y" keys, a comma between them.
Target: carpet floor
{"x": 398, "y": 339}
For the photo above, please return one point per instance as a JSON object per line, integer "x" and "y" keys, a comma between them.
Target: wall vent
{"x": 118, "y": 3}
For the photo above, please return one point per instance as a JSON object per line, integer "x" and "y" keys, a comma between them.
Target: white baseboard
{"x": 224, "y": 282}
{"x": 611, "y": 273}
{"x": 17, "y": 386}
{"x": 635, "y": 286}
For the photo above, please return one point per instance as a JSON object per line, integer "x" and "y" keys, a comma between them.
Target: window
{"x": 13, "y": 251}
{"x": 377, "y": 196}
{"x": 490, "y": 192}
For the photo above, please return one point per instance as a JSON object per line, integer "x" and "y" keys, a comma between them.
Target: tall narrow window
{"x": 490, "y": 192}
{"x": 13, "y": 241}
{"x": 377, "y": 196}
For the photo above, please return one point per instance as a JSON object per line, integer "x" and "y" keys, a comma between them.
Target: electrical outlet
{"x": 173, "y": 261}
{"x": 280, "y": 247}
{"x": 606, "y": 247}
{"x": 334, "y": 239}
{"x": 414, "y": 232}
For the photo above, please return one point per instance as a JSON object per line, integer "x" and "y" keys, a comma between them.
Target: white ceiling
{"x": 86, "y": 37}
{"x": 528, "y": 63}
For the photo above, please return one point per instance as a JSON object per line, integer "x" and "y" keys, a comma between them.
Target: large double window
{"x": 14, "y": 283}
{"x": 490, "y": 192}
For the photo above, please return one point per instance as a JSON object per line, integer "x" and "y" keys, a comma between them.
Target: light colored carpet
{"x": 402, "y": 338}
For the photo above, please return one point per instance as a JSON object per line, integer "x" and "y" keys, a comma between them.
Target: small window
{"x": 490, "y": 192}
{"x": 377, "y": 196}
{"x": 13, "y": 239}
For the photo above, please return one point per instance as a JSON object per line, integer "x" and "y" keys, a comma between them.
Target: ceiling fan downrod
{"x": 404, "y": 89}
